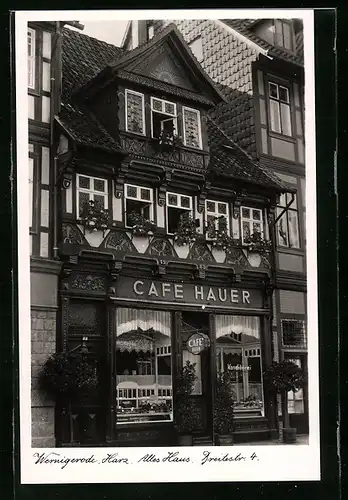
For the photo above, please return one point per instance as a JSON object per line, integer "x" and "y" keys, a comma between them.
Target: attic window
{"x": 283, "y": 34}
{"x": 197, "y": 48}
{"x": 163, "y": 118}
{"x": 192, "y": 128}
{"x": 135, "y": 112}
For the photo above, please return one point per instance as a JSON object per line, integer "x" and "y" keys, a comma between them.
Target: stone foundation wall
{"x": 43, "y": 344}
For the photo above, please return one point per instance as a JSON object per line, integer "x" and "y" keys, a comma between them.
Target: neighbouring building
{"x": 144, "y": 206}
{"x": 258, "y": 64}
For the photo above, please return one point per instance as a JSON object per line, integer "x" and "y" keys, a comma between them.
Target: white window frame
{"x": 31, "y": 181}
{"x": 291, "y": 208}
{"x": 186, "y": 108}
{"x": 250, "y": 220}
{"x": 91, "y": 192}
{"x": 217, "y": 214}
{"x": 138, "y": 198}
{"x": 164, "y": 101}
{"x": 279, "y": 102}
{"x": 128, "y": 91}
{"x": 32, "y": 59}
{"x": 278, "y": 34}
{"x": 169, "y": 205}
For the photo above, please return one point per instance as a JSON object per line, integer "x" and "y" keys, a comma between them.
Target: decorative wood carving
{"x": 72, "y": 234}
{"x": 119, "y": 180}
{"x": 236, "y": 207}
{"x": 65, "y": 321}
{"x": 172, "y": 155}
{"x": 161, "y": 247}
{"x": 134, "y": 146}
{"x": 200, "y": 271}
{"x": 120, "y": 241}
{"x": 202, "y": 197}
{"x": 66, "y": 181}
{"x": 192, "y": 159}
{"x": 200, "y": 251}
{"x": 88, "y": 283}
{"x": 162, "y": 190}
{"x": 161, "y": 267}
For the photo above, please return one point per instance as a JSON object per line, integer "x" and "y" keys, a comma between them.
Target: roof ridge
{"x": 102, "y": 42}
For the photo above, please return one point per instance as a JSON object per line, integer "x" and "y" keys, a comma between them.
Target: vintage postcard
{"x": 166, "y": 207}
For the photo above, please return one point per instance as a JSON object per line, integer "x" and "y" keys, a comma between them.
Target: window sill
{"x": 289, "y": 250}
{"x": 283, "y": 137}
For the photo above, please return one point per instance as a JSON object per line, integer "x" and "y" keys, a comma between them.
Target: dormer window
{"x": 283, "y": 34}
{"x": 163, "y": 118}
{"x": 192, "y": 128}
{"x": 135, "y": 112}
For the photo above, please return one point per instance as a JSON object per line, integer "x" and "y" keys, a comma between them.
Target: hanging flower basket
{"x": 187, "y": 230}
{"x": 256, "y": 243}
{"x": 94, "y": 218}
{"x": 141, "y": 226}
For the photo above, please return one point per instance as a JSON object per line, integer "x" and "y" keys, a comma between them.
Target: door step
{"x": 202, "y": 441}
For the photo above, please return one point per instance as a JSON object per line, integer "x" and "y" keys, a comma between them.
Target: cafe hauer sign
{"x": 187, "y": 293}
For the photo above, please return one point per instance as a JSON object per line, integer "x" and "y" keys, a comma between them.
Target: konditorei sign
{"x": 187, "y": 293}
{"x": 197, "y": 342}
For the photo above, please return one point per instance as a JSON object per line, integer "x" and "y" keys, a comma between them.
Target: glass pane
{"x": 157, "y": 105}
{"x": 256, "y": 227}
{"x": 286, "y": 119}
{"x": 173, "y": 199}
{"x": 273, "y": 90}
{"x": 99, "y": 202}
{"x": 211, "y": 206}
{"x": 169, "y": 108}
{"x": 256, "y": 215}
{"x": 135, "y": 119}
{"x": 294, "y": 239}
{"x": 287, "y": 36}
{"x": 99, "y": 185}
{"x": 282, "y": 229}
{"x": 246, "y": 230}
{"x": 132, "y": 191}
{"x": 185, "y": 202}
{"x": 284, "y": 94}
{"x": 83, "y": 201}
{"x": 31, "y": 188}
{"x": 84, "y": 182}
{"x": 246, "y": 213}
{"x": 191, "y": 128}
{"x": 145, "y": 194}
{"x": 222, "y": 208}
{"x": 143, "y": 366}
{"x": 289, "y": 197}
{"x": 275, "y": 116}
{"x": 283, "y": 200}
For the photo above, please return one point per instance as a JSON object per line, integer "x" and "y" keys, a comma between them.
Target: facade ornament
{"x": 163, "y": 189}
{"x": 161, "y": 267}
{"x": 66, "y": 182}
{"x": 236, "y": 207}
{"x": 200, "y": 271}
{"x": 120, "y": 179}
{"x": 202, "y": 197}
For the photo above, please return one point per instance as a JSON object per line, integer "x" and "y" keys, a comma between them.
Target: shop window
{"x": 31, "y": 58}
{"x": 287, "y": 225}
{"x": 251, "y": 222}
{"x": 177, "y": 206}
{"x": 91, "y": 189}
{"x": 295, "y": 399}
{"x": 216, "y": 216}
{"x": 163, "y": 118}
{"x": 135, "y": 112}
{"x": 138, "y": 201}
{"x": 294, "y": 333}
{"x": 143, "y": 366}
{"x": 192, "y": 128}
{"x": 279, "y": 109}
{"x": 197, "y": 48}
{"x": 238, "y": 352}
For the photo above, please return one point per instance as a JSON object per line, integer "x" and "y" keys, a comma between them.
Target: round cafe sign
{"x": 197, "y": 342}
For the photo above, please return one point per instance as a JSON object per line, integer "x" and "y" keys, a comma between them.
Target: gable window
{"x": 138, "y": 200}
{"x": 215, "y": 211}
{"x": 135, "y": 112}
{"x": 163, "y": 118}
{"x": 91, "y": 189}
{"x": 283, "y": 34}
{"x": 279, "y": 109}
{"x": 287, "y": 226}
{"x": 251, "y": 222}
{"x": 31, "y": 58}
{"x": 197, "y": 48}
{"x": 192, "y": 128}
{"x": 177, "y": 205}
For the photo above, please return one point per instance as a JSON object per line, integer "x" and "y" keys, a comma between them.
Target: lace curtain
{"x": 239, "y": 325}
{"x": 128, "y": 320}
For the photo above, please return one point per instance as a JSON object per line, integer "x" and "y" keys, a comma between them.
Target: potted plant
{"x": 282, "y": 377}
{"x": 256, "y": 243}
{"x": 94, "y": 218}
{"x": 68, "y": 377}
{"x": 221, "y": 242}
{"x": 187, "y": 230}
{"x": 186, "y": 412}
{"x": 224, "y": 424}
{"x": 142, "y": 230}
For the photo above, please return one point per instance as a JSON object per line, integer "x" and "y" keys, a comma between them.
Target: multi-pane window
{"x": 177, "y": 205}
{"x": 251, "y": 222}
{"x": 192, "y": 128}
{"x": 294, "y": 333}
{"x": 31, "y": 186}
{"x": 216, "y": 217}
{"x": 287, "y": 226}
{"x": 197, "y": 48}
{"x": 163, "y": 118}
{"x": 295, "y": 399}
{"x": 31, "y": 58}
{"x": 139, "y": 201}
{"x": 135, "y": 112}
{"x": 283, "y": 34}
{"x": 91, "y": 189}
{"x": 279, "y": 109}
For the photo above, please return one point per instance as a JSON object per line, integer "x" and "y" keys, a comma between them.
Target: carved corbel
{"x": 65, "y": 279}
{"x": 162, "y": 191}
{"x": 66, "y": 181}
{"x": 202, "y": 197}
{"x": 120, "y": 179}
{"x": 236, "y": 207}
{"x": 115, "y": 270}
{"x": 271, "y": 215}
{"x": 201, "y": 271}
{"x": 161, "y": 267}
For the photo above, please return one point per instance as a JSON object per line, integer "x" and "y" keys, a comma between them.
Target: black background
{"x": 326, "y": 124}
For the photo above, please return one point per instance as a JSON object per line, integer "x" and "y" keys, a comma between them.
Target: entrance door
{"x": 193, "y": 322}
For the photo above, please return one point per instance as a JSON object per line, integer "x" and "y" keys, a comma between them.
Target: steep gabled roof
{"x": 245, "y": 28}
